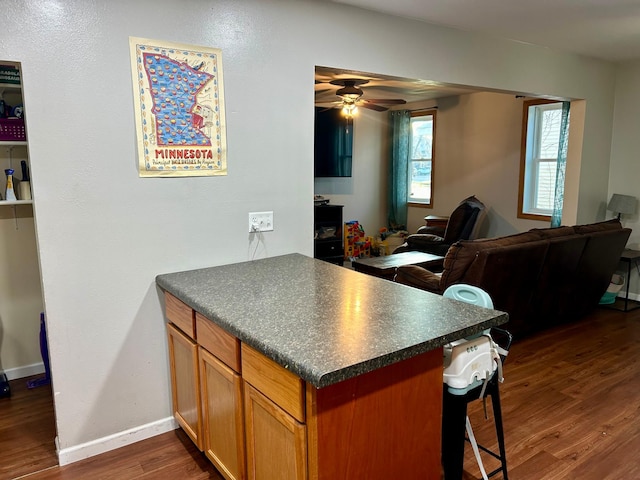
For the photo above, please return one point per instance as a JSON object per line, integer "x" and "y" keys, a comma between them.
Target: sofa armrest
{"x": 418, "y": 277}
{"x": 439, "y": 231}
{"x": 418, "y": 240}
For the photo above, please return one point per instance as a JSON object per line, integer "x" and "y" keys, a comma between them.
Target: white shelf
{"x": 15, "y": 202}
{"x": 11, "y": 86}
{"x": 16, "y": 143}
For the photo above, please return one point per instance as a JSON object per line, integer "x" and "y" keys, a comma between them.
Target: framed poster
{"x": 179, "y": 109}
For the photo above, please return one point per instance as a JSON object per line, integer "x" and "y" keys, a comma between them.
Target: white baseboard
{"x": 632, "y": 296}
{"x": 24, "y": 371}
{"x": 117, "y": 440}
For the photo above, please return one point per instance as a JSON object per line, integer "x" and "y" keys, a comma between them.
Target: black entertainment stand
{"x": 327, "y": 244}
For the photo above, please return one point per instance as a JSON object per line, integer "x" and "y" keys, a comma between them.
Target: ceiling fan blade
{"x": 373, "y": 106}
{"x": 387, "y": 101}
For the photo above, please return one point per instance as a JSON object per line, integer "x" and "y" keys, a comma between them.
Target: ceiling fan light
{"x": 349, "y": 110}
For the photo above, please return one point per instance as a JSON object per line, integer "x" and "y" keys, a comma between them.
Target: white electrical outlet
{"x": 260, "y": 221}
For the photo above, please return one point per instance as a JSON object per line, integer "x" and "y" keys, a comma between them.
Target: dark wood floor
{"x": 571, "y": 403}
{"x": 27, "y": 430}
{"x": 571, "y": 408}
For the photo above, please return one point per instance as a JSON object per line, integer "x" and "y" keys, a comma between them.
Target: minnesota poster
{"x": 179, "y": 109}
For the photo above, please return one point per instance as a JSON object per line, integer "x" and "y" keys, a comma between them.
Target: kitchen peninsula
{"x": 293, "y": 368}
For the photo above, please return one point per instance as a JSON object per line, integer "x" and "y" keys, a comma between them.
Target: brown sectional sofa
{"x": 540, "y": 278}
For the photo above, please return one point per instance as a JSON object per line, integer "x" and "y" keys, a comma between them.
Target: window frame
{"x": 524, "y": 186}
{"x": 410, "y": 202}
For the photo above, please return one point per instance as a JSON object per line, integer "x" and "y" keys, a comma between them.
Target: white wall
{"x": 104, "y": 233}
{"x": 625, "y": 166}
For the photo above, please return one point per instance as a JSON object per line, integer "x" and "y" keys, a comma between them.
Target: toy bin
{"x": 609, "y": 297}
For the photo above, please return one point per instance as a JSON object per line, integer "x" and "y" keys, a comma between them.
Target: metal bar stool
{"x": 455, "y": 401}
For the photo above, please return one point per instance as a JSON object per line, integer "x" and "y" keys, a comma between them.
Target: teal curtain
{"x": 558, "y": 200}
{"x": 398, "y": 178}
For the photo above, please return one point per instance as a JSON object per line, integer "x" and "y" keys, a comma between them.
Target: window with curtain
{"x": 421, "y": 157}
{"x": 541, "y": 140}
{"x": 399, "y": 149}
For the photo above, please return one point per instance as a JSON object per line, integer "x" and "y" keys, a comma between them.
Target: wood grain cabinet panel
{"x": 180, "y": 315}
{"x": 185, "y": 384}
{"x": 221, "y": 389}
{"x": 276, "y": 442}
{"x": 219, "y": 342}
{"x": 276, "y": 382}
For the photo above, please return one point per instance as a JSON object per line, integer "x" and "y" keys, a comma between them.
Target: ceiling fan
{"x": 351, "y": 97}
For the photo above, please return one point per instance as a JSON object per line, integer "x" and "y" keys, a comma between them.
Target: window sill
{"x": 420, "y": 204}
{"x": 533, "y": 216}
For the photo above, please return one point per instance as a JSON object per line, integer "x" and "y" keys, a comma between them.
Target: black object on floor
{"x": 5, "y": 390}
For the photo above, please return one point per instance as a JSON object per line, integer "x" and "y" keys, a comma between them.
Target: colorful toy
{"x": 356, "y": 243}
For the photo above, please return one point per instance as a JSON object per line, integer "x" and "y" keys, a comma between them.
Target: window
{"x": 423, "y": 128}
{"x": 540, "y": 141}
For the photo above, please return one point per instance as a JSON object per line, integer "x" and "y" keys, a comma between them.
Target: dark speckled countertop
{"x": 323, "y": 322}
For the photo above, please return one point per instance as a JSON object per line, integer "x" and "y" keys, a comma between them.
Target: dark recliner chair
{"x": 463, "y": 225}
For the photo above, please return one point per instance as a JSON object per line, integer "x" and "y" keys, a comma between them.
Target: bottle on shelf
{"x": 24, "y": 187}
{"x": 9, "y": 193}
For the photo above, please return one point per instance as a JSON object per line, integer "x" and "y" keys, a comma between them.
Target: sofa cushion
{"x": 553, "y": 232}
{"x": 510, "y": 275}
{"x": 554, "y": 299}
{"x": 461, "y": 254}
{"x": 613, "y": 224}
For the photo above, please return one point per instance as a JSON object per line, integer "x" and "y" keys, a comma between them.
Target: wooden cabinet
{"x": 383, "y": 424}
{"x": 207, "y": 387}
{"x": 276, "y": 442}
{"x": 185, "y": 383}
{"x": 256, "y": 420}
{"x": 274, "y": 418}
{"x": 328, "y": 233}
{"x": 223, "y": 416}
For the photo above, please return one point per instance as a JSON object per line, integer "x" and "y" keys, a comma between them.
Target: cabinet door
{"x": 276, "y": 442}
{"x": 222, "y": 413}
{"x": 185, "y": 384}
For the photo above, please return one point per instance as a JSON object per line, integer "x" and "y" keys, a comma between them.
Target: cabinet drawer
{"x": 180, "y": 314}
{"x": 218, "y": 342}
{"x": 328, "y": 248}
{"x": 284, "y": 388}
